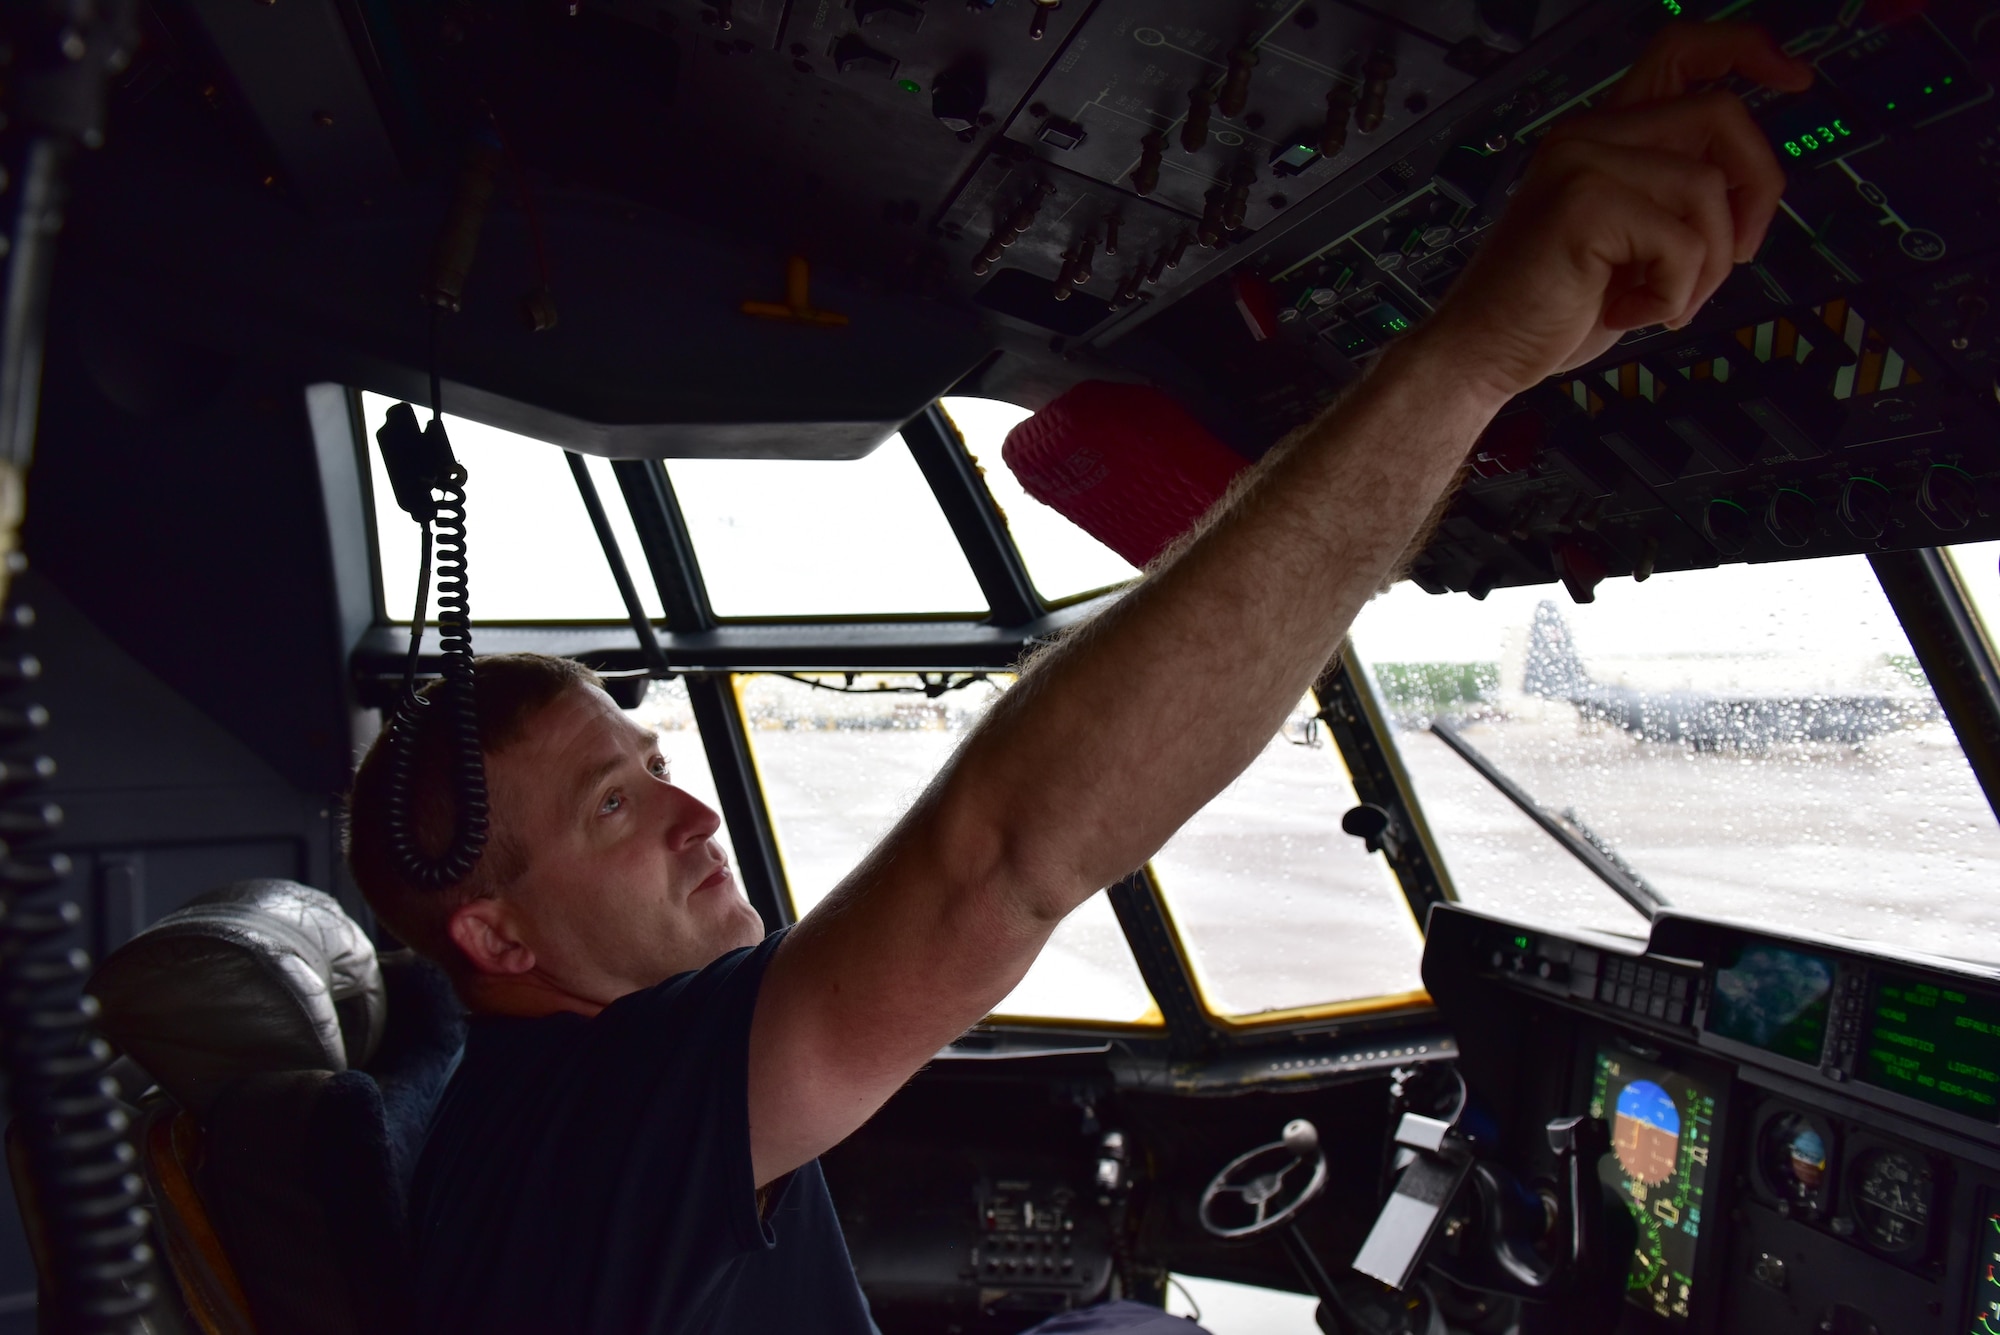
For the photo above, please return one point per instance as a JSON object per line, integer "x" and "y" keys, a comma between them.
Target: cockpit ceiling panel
{"x": 652, "y": 354}
{"x": 1046, "y": 207}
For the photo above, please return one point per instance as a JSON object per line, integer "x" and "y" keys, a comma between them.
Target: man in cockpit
{"x": 629, "y": 1143}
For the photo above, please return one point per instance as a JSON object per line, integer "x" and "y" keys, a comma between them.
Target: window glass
{"x": 666, "y": 710}
{"x": 1061, "y": 558}
{"x": 1278, "y": 907}
{"x": 839, "y": 766}
{"x": 818, "y": 537}
{"x": 1756, "y": 741}
{"x": 1978, "y": 566}
{"x": 531, "y": 552}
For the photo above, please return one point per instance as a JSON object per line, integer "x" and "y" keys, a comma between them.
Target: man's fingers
{"x": 1685, "y": 55}
{"x": 1756, "y": 181}
{"x": 1652, "y": 260}
{"x": 1685, "y": 188}
{"x": 1710, "y": 127}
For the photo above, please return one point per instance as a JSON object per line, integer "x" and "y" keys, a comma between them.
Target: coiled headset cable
{"x": 430, "y": 485}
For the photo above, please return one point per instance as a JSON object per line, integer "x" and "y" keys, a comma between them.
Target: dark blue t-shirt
{"x": 594, "y": 1175}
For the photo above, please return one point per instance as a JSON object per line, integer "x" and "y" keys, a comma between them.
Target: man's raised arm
{"x": 1114, "y": 738}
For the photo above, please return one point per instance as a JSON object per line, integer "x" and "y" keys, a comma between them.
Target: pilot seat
{"x": 285, "y": 1075}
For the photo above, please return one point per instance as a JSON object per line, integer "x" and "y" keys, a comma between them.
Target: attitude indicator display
{"x": 1662, "y": 1124}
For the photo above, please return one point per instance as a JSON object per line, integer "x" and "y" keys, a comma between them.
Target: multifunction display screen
{"x": 1936, "y": 1044}
{"x": 1661, "y": 1125}
{"x": 1773, "y": 998}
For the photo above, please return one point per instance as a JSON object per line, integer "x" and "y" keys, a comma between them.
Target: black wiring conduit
{"x": 70, "y": 1139}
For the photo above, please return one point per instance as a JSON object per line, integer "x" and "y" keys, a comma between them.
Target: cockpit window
{"x": 842, "y": 756}
{"x": 1978, "y": 567}
{"x": 1062, "y": 559}
{"x": 849, "y": 537}
{"x": 1278, "y": 909}
{"x": 533, "y": 553}
{"x": 1756, "y": 742}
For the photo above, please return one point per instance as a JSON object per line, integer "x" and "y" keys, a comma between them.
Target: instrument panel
{"x": 1806, "y": 1132}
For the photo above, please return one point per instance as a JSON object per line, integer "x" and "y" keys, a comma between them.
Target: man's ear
{"x": 484, "y": 931}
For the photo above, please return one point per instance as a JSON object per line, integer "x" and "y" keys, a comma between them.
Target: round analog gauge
{"x": 1794, "y": 1153}
{"x": 1892, "y": 1199}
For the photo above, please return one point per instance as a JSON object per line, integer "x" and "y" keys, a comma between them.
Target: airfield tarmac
{"x": 1890, "y": 841}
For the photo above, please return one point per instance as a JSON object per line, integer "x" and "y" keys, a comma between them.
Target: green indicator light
{"x": 1891, "y": 107}
{"x": 1928, "y": 89}
{"x": 1521, "y": 942}
{"x": 1672, "y": 7}
{"x": 909, "y": 85}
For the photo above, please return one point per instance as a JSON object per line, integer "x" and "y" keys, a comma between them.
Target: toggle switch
{"x": 1235, "y": 92}
{"x": 1146, "y": 176}
{"x": 1374, "y": 103}
{"x": 957, "y": 98}
{"x": 1194, "y": 130}
{"x": 1339, "y": 106}
{"x": 851, "y": 55}
{"x": 888, "y": 14}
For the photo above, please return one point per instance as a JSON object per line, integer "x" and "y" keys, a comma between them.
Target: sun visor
{"x": 1125, "y": 463}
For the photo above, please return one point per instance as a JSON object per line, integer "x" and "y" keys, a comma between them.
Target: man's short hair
{"x": 510, "y": 690}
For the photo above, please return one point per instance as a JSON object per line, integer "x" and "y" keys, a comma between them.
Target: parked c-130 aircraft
{"x": 900, "y": 806}
{"x": 1705, "y": 720}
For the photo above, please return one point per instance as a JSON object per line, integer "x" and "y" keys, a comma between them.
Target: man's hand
{"x": 1628, "y": 216}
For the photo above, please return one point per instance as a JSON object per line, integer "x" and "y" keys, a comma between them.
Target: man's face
{"x": 625, "y": 885}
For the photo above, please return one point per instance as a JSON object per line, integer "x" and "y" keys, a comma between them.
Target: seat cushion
{"x": 263, "y": 975}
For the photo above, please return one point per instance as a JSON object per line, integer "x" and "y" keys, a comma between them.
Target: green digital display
{"x": 1812, "y": 128}
{"x": 1811, "y": 142}
{"x": 1385, "y": 320}
{"x": 1936, "y": 1044}
{"x": 1662, "y": 1125}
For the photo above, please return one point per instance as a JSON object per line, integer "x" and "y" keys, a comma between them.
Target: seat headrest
{"x": 263, "y": 975}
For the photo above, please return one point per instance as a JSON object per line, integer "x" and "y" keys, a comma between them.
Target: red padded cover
{"x": 1125, "y": 463}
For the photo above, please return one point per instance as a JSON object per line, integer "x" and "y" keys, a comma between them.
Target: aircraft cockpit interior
{"x": 1607, "y": 941}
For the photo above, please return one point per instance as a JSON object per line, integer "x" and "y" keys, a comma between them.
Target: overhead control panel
{"x": 1243, "y": 201}
{"x": 1838, "y": 394}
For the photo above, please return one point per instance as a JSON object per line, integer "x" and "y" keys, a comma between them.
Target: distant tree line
{"x": 1425, "y": 690}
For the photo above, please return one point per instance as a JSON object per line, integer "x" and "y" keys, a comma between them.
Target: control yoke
{"x": 1263, "y": 1191}
{"x": 1563, "y": 1253}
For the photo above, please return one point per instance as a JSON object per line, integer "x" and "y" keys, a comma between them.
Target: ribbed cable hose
{"x": 72, "y": 1130}
{"x": 458, "y": 697}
